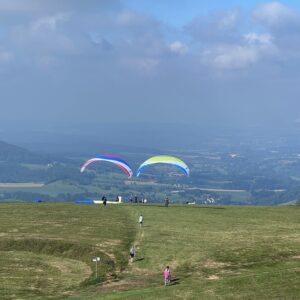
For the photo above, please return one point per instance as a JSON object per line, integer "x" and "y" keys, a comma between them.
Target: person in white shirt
{"x": 141, "y": 220}
{"x": 132, "y": 253}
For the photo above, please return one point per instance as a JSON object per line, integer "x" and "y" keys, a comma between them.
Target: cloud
{"x": 68, "y": 35}
{"x": 274, "y": 15}
{"x": 50, "y": 22}
{"x": 227, "y": 20}
{"x": 222, "y": 39}
{"x": 178, "y": 47}
{"x": 97, "y": 40}
{"x": 215, "y": 27}
{"x": 42, "y": 41}
{"x": 19, "y": 6}
{"x": 254, "y": 38}
{"x": 52, "y": 6}
{"x": 249, "y": 51}
{"x": 231, "y": 56}
{"x": 266, "y": 37}
{"x": 284, "y": 25}
{"x": 131, "y": 19}
{"x": 83, "y": 54}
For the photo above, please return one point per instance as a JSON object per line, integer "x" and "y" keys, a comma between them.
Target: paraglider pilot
{"x": 167, "y": 202}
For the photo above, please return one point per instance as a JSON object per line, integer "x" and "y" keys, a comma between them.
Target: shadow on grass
{"x": 180, "y": 205}
{"x": 175, "y": 281}
{"x": 209, "y": 207}
{"x": 139, "y": 259}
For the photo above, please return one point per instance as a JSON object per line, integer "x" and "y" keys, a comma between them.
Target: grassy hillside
{"x": 214, "y": 252}
{"x": 46, "y": 250}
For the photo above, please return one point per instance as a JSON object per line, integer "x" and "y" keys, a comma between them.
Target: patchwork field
{"x": 214, "y": 252}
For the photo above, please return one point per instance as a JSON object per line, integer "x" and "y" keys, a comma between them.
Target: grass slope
{"x": 46, "y": 250}
{"x": 214, "y": 252}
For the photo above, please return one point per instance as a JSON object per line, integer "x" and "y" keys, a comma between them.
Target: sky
{"x": 64, "y": 63}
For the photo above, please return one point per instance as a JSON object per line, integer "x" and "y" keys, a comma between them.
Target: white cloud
{"x": 274, "y": 14}
{"x": 52, "y": 6}
{"x": 140, "y": 41}
{"x": 252, "y": 49}
{"x": 178, "y": 47}
{"x": 233, "y": 56}
{"x": 228, "y": 20}
{"x": 131, "y": 19}
{"x": 19, "y": 6}
{"x": 258, "y": 39}
{"x": 215, "y": 27}
{"x": 126, "y": 18}
{"x": 50, "y": 22}
{"x": 42, "y": 41}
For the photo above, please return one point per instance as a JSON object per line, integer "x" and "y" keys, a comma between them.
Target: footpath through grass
{"x": 214, "y": 252}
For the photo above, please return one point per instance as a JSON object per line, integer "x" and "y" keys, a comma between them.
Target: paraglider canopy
{"x": 164, "y": 159}
{"x": 122, "y": 164}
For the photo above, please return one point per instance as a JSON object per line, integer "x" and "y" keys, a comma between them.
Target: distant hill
{"x": 15, "y": 154}
{"x": 18, "y": 165}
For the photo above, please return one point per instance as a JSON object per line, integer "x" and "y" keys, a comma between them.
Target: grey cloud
{"x": 52, "y": 6}
{"x": 100, "y": 41}
{"x": 284, "y": 25}
{"x": 216, "y": 27}
{"x": 252, "y": 48}
{"x": 49, "y": 22}
{"x": 58, "y": 30}
{"x": 113, "y": 63}
{"x": 269, "y": 35}
{"x": 220, "y": 40}
{"x": 41, "y": 38}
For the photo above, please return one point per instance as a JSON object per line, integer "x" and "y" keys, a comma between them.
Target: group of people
{"x": 132, "y": 254}
{"x": 104, "y": 200}
{"x": 133, "y": 200}
{"x": 137, "y": 200}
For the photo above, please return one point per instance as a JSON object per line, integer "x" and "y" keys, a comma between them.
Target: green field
{"x": 214, "y": 252}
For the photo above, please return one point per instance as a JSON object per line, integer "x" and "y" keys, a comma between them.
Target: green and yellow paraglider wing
{"x": 164, "y": 159}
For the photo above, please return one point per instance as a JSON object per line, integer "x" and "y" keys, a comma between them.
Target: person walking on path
{"x": 132, "y": 254}
{"x": 141, "y": 220}
{"x": 167, "y": 276}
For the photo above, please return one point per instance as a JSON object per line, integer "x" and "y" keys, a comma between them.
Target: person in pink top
{"x": 167, "y": 275}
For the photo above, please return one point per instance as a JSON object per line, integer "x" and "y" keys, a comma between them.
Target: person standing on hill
{"x": 104, "y": 200}
{"x": 167, "y": 275}
{"x": 132, "y": 253}
{"x": 141, "y": 220}
{"x": 167, "y": 202}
